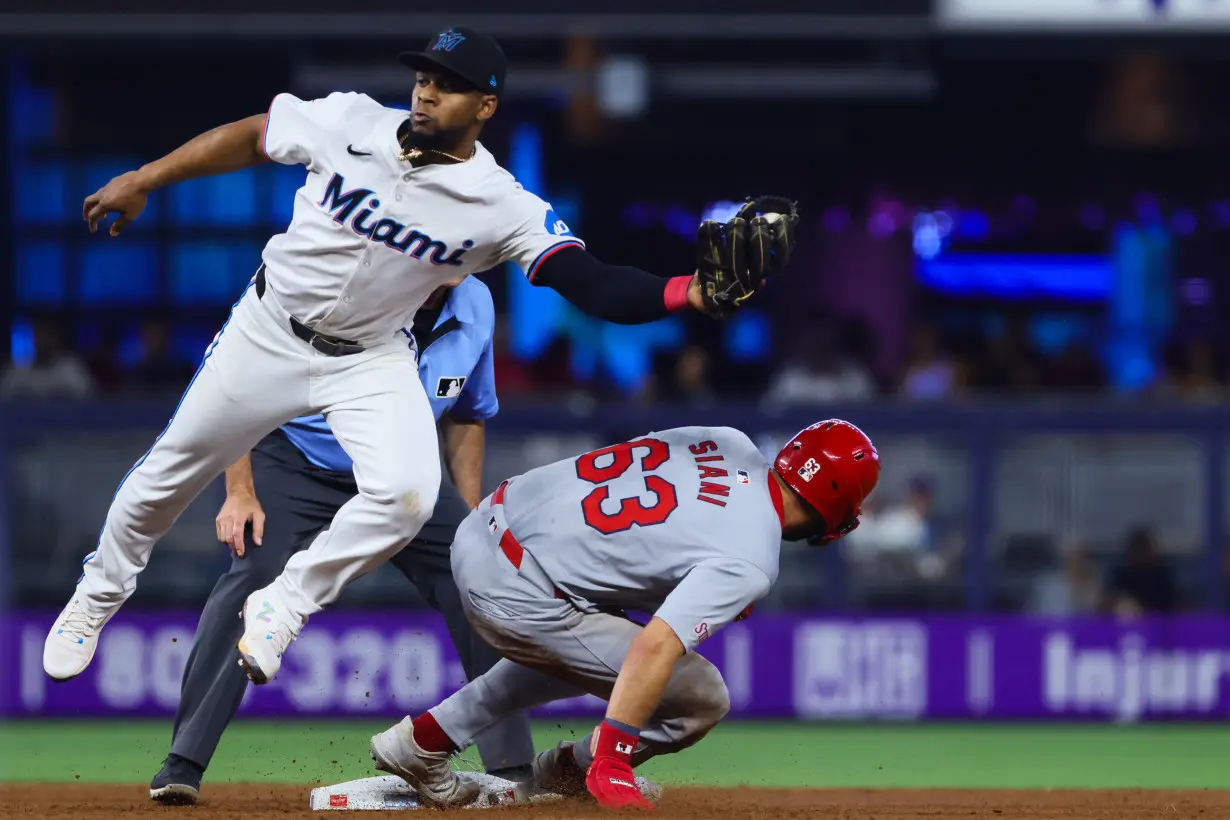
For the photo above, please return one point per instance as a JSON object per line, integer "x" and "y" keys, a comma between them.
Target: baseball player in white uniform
{"x": 686, "y": 524}
{"x": 392, "y": 207}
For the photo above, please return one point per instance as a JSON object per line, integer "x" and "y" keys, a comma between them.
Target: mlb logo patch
{"x": 492, "y": 526}
{"x": 449, "y": 387}
{"x": 741, "y": 476}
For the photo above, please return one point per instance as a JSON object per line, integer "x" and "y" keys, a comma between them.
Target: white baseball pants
{"x": 256, "y": 376}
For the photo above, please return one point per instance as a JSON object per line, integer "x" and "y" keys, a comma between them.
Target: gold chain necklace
{"x": 409, "y": 154}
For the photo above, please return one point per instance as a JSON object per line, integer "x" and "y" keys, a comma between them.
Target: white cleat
{"x": 429, "y": 773}
{"x": 73, "y": 639}
{"x": 268, "y": 628}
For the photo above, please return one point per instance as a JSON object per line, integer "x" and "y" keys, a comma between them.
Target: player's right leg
{"x": 254, "y": 377}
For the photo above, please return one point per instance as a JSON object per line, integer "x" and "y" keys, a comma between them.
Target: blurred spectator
{"x": 930, "y": 373}
{"x": 159, "y": 369}
{"x": 1144, "y": 103}
{"x": 1075, "y": 370}
{"x": 1193, "y": 372}
{"x": 512, "y": 376}
{"x": 55, "y": 371}
{"x": 1225, "y": 571}
{"x": 552, "y": 373}
{"x": 1074, "y": 589}
{"x": 691, "y": 382}
{"x": 900, "y": 527}
{"x": 820, "y": 372}
{"x": 1009, "y": 363}
{"x": 104, "y": 362}
{"x": 1145, "y": 582}
{"x": 901, "y": 538}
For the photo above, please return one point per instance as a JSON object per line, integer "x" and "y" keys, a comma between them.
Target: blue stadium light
{"x": 973, "y": 225}
{"x": 21, "y": 342}
{"x": 1020, "y": 276}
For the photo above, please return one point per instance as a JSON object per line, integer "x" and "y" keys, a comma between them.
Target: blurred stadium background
{"x": 1011, "y": 266}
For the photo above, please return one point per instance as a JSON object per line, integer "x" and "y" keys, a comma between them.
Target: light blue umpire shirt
{"x": 456, "y": 368}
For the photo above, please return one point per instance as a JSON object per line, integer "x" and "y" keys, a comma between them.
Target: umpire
{"x": 289, "y": 488}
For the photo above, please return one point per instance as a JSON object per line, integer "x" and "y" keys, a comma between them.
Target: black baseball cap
{"x": 475, "y": 58}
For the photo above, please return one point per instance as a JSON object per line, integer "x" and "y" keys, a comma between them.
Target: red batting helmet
{"x": 833, "y": 466}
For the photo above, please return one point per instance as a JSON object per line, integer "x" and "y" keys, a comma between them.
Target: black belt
{"x": 327, "y": 345}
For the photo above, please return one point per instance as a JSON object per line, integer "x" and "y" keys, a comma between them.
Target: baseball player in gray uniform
{"x": 686, "y": 524}
{"x": 392, "y": 206}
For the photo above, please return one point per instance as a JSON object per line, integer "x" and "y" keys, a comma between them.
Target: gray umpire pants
{"x": 299, "y": 499}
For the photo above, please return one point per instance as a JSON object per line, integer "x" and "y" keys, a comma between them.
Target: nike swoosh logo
{"x": 350, "y": 150}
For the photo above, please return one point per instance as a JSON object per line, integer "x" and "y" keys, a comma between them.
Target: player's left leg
{"x": 377, "y": 409}
{"x": 253, "y": 378}
{"x": 507, "y": 747}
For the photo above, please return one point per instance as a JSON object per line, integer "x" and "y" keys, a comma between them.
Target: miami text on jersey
{"x": 342, "y": 205}
{"x": 710, "y": 491}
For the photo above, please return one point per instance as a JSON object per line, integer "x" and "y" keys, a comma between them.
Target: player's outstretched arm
{"x": 221, "y": 150}
{"x": 734, "y": 260}
{"x": 616, "y": 293}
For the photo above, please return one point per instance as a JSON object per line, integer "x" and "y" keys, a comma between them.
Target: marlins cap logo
{"x": 448, "y": 41}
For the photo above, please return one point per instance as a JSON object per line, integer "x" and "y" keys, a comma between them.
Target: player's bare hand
{"x": 237, "y": 512}
{"x": 694, "y": 296}
{"x": 125, "y": 195}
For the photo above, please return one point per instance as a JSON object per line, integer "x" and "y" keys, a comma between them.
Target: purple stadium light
{"x": 1183, "y": 223}
{"x": 881, "y": 225}
{"x": 1093, "y": 217}
{"x": 1146, "y": 206}
{"x": 836, "y": 219}
{"x": 1221, "y": 212}
{"x": 1197, "y": 291}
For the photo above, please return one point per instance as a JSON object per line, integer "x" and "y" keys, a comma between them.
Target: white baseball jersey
{"x": 371, "y": 235}
{"x": 685, "y": 523}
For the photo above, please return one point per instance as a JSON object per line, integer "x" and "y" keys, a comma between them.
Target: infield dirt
{"x": 28, "y": 801}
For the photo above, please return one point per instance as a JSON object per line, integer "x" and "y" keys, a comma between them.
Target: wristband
{"x": 675, "y": 296}
{"x": 617, "y": 740}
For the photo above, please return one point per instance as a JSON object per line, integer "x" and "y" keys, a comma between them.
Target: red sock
{"x": 429, "y": 735}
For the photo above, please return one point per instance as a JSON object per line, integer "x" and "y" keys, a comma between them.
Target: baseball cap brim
{"x": 421, "y": 61}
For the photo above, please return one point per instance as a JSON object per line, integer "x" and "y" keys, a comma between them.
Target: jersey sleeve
{"x": 297, "y": 132}
{"x": 478, "y": 400}
{"x": 537, "y": 233}
{"x": 712, "y": 595}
